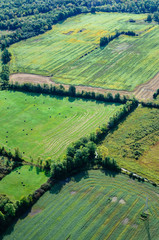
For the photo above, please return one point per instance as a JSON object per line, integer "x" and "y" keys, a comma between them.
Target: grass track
{"x": 43, "y": 126}
{"x": 123, "y": 64}
{"x": 81, "y": 210}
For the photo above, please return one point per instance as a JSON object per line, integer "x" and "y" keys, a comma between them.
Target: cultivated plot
{"x": 93, "y": 205}
{"x": 42, "y": 126}
{"x": 134, "y": 144}
{"x": 70, "y": 53}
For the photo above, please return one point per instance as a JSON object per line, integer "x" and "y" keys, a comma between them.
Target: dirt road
{"x": 142, "y": 92}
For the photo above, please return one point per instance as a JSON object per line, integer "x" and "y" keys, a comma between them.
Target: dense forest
{"x": 22, "y": 19}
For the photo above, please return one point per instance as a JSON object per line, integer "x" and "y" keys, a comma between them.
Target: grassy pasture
{"x": 22, "y": 181}
{"x": 43, "y": 126}
{"x": 94, "y": 205}
{"x": 134, "y": 144}
{"x": 125, "y": 63}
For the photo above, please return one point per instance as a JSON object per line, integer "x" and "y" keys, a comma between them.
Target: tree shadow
{"x": 110, "y": 173}
{"x": 103, "y": 47}
{"x": 76, "y": 178}
{"x": 10, "y": 229}
{"x": 147, "y": 227}
{"x": 33, "y": 94}
{"x": 82, "y": 175}
{"x": 31, "y": 168}
{"x": 70, "y": 99}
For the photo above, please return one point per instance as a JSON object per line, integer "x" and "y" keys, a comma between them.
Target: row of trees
{"x": 4, "y": 75}
{"x": 81, "y": 155}
{"x": 150, "y": 104}
{"x": 105, "y": 40}
{"x": 26, "y": 19}
{"x": 71, "y": 92}
{"x": 85, "y": 153}
{"x": 19, "y": 9}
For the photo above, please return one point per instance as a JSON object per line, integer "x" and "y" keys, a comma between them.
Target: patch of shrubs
{"x": 156, "y": 94}
{"x": 71, "y": 92}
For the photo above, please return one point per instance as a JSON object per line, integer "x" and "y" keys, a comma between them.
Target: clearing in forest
{"x": 42, "y": 126}
{"x": 70, "y": 52}
{"x": 90, "y": 213}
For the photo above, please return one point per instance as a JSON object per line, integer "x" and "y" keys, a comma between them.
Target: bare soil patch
{"x": 142, "y": 92}
{"x": 146, "y": 90}
{"x": 122, "y": 201}
{"x": 34, "y": 212}
{"x": 68, "y": 33}
{"x": 73, "y": 192}
{"x": 114, "y": 199}
{"x": 122, "y": 47}
{"x": 134, "y": 225}
{"x": 125, "y": 221}
{"x": 29, "y": 78}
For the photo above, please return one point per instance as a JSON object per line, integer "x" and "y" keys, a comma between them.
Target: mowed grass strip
{"x": 134, "y": 144}
{"x": 65, "y": 52}
{"x": 22, "y": 181}
{"x": 93, "y": 205}
{"x": 43, "y": 126}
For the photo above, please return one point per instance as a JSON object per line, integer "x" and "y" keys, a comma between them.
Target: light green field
{"x": 43, "y": 126}
{"x": 93, "y": 206}
{"x": 13, "y": 184}
{"x": 125, "y": 63}
{"x": 134, "y": 144}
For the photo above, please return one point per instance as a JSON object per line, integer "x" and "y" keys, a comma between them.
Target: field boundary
{"x": 144, "y": 91}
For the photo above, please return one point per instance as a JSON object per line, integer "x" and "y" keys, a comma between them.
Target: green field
{"x": 94, "y": 205}
{"x": 43, "y": 126}
{"x": 134, "y": 144}
{"x": 125, "y": 63}
{"x": 22, "y": 181}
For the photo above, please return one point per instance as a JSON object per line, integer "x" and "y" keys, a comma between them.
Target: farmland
{"x": 40, "y": 195}
{"x": 93, "y": 205}
{"x": 22, "y": 181}
{"x": 70, "y": 53}
{"x": 43, "y": 126}
{"x": 134, "y": 144}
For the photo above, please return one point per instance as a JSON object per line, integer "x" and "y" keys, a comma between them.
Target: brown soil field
{"x": 142, "y": 92}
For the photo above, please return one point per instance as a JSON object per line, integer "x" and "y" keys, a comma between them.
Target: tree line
{"x": 81, "y": 155}
{"x": 4, "y": 75}
{"x": 71, "y": 92}
{"x": 24, "y": 19}
{"x": 105, "y": 40}
{"x": 85, "y": 153}
{"x": 150, "y": 104}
